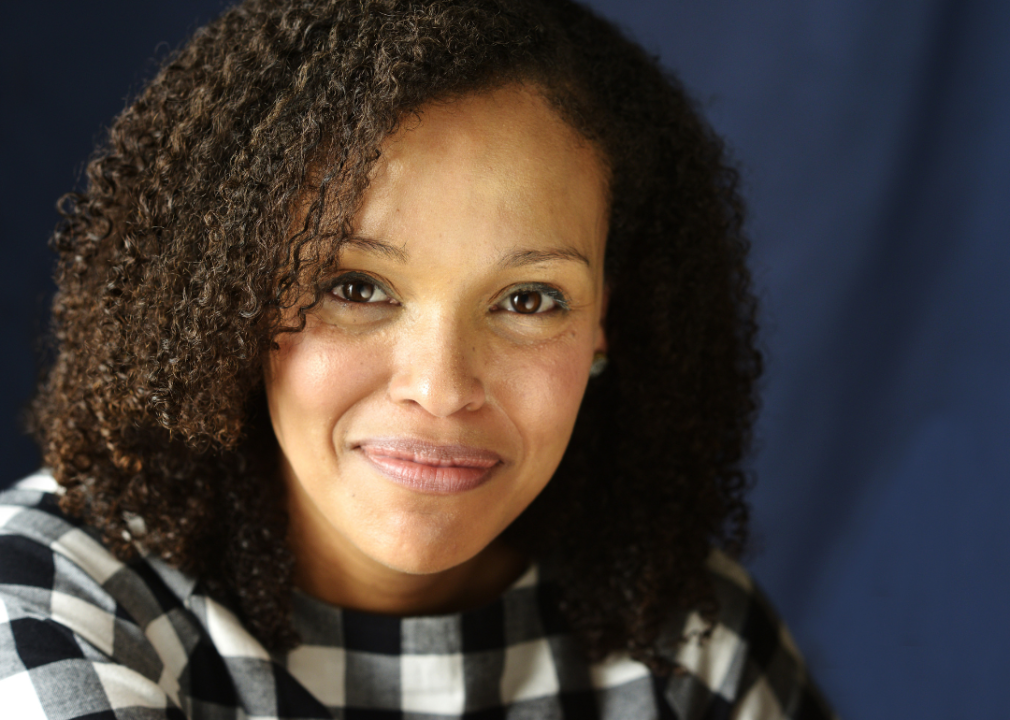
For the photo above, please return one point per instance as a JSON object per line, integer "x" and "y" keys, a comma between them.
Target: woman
{"x": 404, "y": 364}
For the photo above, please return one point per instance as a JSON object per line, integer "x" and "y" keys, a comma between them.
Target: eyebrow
{"x": 512, "y": 259}
{"x": 383, "y": 248}
{"x": 520, "y": 257}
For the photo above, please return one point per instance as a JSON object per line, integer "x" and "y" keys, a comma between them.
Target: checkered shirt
{"x": 83, "y": 635}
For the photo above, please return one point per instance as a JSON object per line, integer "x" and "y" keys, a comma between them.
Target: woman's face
{"x": 434, "y": 388}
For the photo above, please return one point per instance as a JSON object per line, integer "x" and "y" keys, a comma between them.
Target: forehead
{"x": 511, "y": 123}
{"x": 504, "y": 162}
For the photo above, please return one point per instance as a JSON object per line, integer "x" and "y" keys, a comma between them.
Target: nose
{"x": 438, "y": 368}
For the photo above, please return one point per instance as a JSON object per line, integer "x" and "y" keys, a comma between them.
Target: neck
{"x": 345, "y": 577}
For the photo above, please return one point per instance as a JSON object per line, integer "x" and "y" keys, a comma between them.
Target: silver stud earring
{"x": 599, "y": 364}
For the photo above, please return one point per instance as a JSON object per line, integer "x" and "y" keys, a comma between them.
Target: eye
{"x": 359, "y": 290}
{"x": 532, "y": 301}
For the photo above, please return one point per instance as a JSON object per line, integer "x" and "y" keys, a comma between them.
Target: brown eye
{"x": 360, "y": 291}
{"x": 536, "y": 300}
{"x": 526, "y": 302}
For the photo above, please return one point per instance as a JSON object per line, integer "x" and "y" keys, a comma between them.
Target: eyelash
{"x": 362, "y": 279}
{"x": 561, "y": 303}
{"x": 556, "y": 296}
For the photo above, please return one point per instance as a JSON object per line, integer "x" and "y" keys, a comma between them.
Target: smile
{"x": 429, "y": 468}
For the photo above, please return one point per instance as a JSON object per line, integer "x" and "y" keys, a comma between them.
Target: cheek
{"x": 313, "y": 378}
{"x": 544, "y": 397}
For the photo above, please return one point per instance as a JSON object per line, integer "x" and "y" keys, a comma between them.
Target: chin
{"x": 425, "y": 551}
{"x": 420, "y": 565}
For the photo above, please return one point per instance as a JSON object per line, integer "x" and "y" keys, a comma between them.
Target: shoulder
{"x": 134, "y": 639}
{"x": 73, "y": 615}
{"x": 46, "y": 549}
{"x": 746, "y": 665}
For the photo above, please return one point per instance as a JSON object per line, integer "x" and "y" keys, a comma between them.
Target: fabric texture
{"x": 83, "y": 635}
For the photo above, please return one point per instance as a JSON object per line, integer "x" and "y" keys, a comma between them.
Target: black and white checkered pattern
{"x": 83, "y": 635}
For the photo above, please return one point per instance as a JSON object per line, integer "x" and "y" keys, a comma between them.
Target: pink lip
{"x": 430, "y": 468}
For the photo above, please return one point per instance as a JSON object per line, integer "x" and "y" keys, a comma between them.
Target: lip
{"x": 430, "y": 468}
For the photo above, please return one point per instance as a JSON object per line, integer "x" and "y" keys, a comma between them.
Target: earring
{"x": 599, "y": 364}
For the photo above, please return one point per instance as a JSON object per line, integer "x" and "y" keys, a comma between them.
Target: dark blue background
{"x": 875, "y": 143}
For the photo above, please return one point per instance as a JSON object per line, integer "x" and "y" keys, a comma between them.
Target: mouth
{"x": 430, "y": 468}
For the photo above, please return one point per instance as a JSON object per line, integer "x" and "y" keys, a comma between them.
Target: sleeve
{"x": 66, "y": 648}
{"x": 745, "y": 667}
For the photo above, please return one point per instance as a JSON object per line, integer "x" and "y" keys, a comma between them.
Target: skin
{"x": 487, "y": 205}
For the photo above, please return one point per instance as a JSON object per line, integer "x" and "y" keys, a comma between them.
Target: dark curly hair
{"x": 177, "y": 263}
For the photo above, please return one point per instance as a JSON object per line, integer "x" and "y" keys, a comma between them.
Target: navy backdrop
{"x": 875, "y": 150}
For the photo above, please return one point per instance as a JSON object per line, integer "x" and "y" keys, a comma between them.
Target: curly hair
{"x": 177, "y": 264}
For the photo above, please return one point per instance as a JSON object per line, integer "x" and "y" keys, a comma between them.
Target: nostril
{"x": 437, "y": 365}
{"x": 441, "y": 391}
